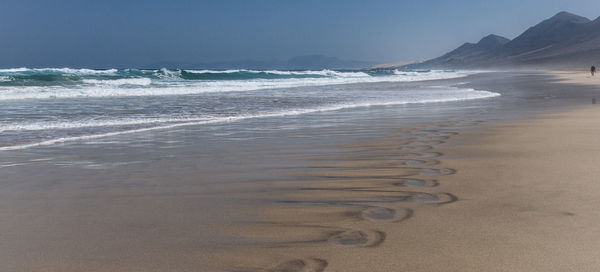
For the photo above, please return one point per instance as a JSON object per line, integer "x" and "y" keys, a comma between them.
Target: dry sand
{"x": 525, "y": 197}
{"x": 576, "y": 77}
{"x": 529, "y": 200}
{"x": 511, "y": 196}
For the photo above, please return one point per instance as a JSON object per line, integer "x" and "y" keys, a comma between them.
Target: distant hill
{"x": 317, "y": 62}
{"x": 309, "y": 62}
{"x": 390, "y": 65}
{"x": 563, "y": 41}
{"x": 466, "y": 54}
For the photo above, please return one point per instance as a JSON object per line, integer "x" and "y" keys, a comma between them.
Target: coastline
{"x": 530, "y": 195}
{"x": 442, "y": 195}
{"x": 322, "y": 136}
{"x": 527, "y": 201}
{"x": 516, "y": 195}
{"x": 579, "y": 77}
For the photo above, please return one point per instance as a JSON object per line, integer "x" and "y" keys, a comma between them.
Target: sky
{"x": 129, "y": 33}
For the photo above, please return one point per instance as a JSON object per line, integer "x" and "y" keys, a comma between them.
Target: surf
{"x": 65, "y": 83}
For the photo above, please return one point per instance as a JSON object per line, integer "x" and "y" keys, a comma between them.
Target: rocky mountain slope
{"x": 563, "y": 41}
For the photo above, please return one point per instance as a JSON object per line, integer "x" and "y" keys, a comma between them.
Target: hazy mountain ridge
{"x": 563, "y": 41}
{"x": 308, "y": 62}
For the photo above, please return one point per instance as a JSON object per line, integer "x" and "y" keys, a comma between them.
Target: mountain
{"x": 563, "y": 41}
{"x": 466, "y": 53}
{"x": 390, "y": 65}
{"x": 558, "y": 29}
{"x": 318, "y": 62}
{"x": 309, "y": 62}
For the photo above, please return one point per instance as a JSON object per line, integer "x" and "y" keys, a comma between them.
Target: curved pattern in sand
{"x": 294, "y": 265}
{"x": 365, "y": 181}
{"x": 382, "y": 214}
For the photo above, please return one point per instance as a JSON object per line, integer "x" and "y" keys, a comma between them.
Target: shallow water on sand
{"x": 242, "y": 196}
{"x": 49, "y": 106}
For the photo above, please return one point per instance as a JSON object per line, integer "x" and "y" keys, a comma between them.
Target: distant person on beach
{"x": 593, "y": 70}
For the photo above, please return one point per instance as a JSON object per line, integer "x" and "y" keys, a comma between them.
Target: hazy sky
{"x": 128, "y": 33}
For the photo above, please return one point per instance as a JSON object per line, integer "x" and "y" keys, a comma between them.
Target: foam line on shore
{"x": 478, "y": 95}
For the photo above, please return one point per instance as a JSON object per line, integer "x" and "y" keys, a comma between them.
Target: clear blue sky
{"x": 128, "y": 33}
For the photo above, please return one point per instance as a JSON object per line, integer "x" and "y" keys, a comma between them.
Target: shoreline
{"x": 500, "y": 196}
{"x": 375, "y": 194}
{"x": 524, "y": 200}
{"x": 578, "y": 77}
{"x": 527, "y": 193}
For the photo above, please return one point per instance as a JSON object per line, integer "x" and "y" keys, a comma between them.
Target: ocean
{"x": 236, "y": 170}
{"x": 56, "y": 105}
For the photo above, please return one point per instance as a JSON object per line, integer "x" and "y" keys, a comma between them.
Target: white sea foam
{"x": 456, "y": 95}
{"x": 60, "y": 70}
{"x": 326, "y": 72}
{"x": 216, "y": 71}
{"x": 14, "y": 70}
{"x": 168, "y": 74}
{"x": 440, "y": 94}
{"x": 48, "y": 125}
{"x": 188, "y": 87}
{"x": 141, "y": 81}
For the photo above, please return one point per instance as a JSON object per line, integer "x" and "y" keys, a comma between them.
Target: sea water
{"x": 41, "y": 107}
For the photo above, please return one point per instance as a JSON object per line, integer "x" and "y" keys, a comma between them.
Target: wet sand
{"x": 508, "y": 196}
{"x": 456, "y": 194}
{"x": 527, "y": 199}
{"x": 582, "y": 77}
{"x": 345, "y": 210}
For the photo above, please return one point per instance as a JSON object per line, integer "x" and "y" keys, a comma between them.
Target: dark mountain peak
{"x": 563, "y": 40}
{"x": 465, "y": 48}
{"x": 564, "y": 16}
{"x": 560, "y": 28}
{"x": 562, "y": 21}
{"x": 468, "y": 51}
{"x": 467, "y": 45}
{"x": 491, "y": 41}
{"x": 488, "y": 42}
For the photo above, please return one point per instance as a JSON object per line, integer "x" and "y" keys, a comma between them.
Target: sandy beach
{"x": 502, "y": 190}
{"x": 299, "y": 136}
{"x": 528, "y": 201}
{"x": 509, "y": 196}
{"x": 528, "y": 195}
{"x": 582, "y": 77}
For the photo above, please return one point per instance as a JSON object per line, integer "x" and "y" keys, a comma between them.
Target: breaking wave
{"x": 23, "y": 83}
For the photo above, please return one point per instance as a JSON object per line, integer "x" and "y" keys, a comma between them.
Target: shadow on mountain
{"x": 563, "y": 41}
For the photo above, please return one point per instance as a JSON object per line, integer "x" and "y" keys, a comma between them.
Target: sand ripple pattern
{"x": 379, "y": 181}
